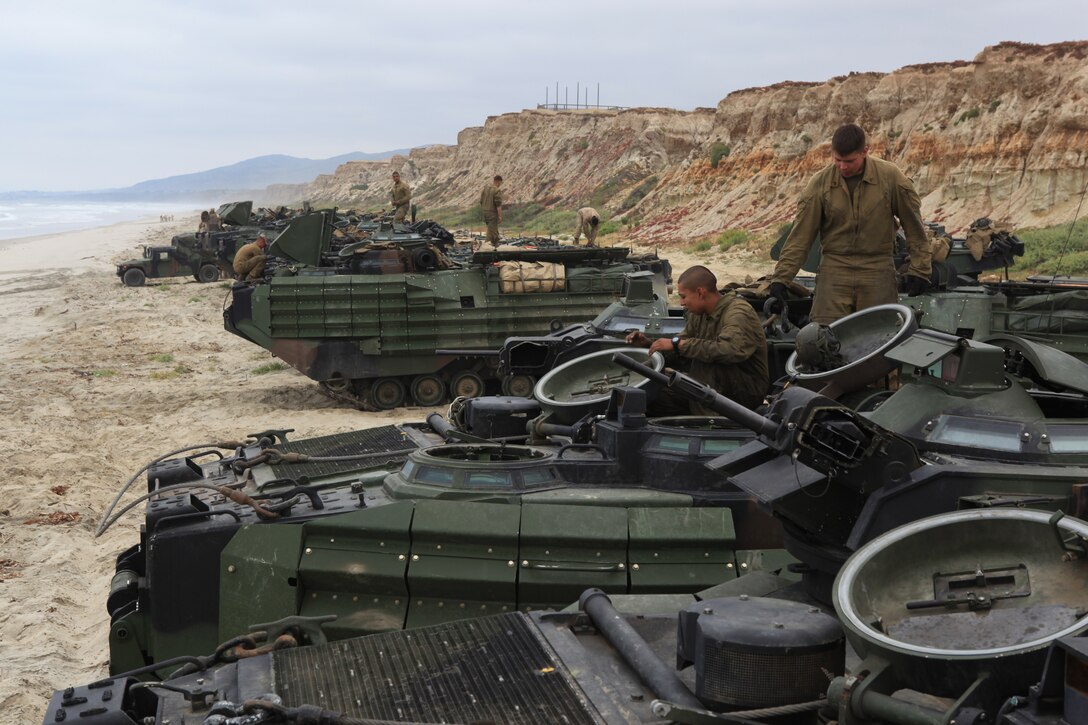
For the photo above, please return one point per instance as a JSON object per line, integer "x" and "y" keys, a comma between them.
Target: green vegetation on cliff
{"x": 1061, "y": 249}
{"x": 531, "y": 219}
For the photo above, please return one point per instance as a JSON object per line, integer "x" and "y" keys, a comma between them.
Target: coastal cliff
{"x": 1003, "y": 135}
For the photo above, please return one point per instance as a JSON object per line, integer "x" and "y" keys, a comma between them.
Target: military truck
{"x": 204, "y": 255}
{"x": 203, "y": 261}
{"x": 391, "y": 319}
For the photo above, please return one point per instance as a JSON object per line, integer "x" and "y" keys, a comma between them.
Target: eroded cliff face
{"x": 1004, "y": 135}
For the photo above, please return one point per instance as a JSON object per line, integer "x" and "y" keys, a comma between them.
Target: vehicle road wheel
{"x": 467, "y": 384}
{"x": 134, "y": 277}
{"x": 388, "y": 393}
{"x": 428, "y": 390}
{"x": 519, "y": 386}
{"x": 207, "y": 273}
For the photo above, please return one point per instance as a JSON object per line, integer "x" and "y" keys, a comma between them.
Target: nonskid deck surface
{"x": 387, "y": 438}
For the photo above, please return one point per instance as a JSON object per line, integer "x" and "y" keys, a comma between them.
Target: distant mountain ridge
{"x": 244, "y": 178}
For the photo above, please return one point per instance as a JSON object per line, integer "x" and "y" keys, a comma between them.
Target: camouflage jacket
{"x": 491, "y": 198}
{"x": 860, "y": 231}
{"x": 585, "y": 214}
{"x": 246, "y": 253}
{"x": 728, "y": 351}
{"x": 401, "y": 194}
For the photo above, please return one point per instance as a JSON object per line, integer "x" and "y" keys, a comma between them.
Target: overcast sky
{"x": 107, "y": 94}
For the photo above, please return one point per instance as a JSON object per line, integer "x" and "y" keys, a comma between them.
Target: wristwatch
{"x": 676, "y": 343}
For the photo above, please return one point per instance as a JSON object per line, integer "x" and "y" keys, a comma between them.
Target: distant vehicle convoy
{"x": 204, "y": 255}
{"x": 208, "y": 256}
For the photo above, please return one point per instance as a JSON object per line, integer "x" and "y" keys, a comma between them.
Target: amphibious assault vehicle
{"x": 970, "y": 617}
{"x": 391, "y": 319}
{"x": 514, "y": 504}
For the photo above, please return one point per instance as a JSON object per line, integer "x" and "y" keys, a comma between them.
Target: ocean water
{"x": 33, "y": 218}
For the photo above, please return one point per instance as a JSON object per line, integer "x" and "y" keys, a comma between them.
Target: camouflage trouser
{"x": 845, "y": 288}
{"x": 400, "y": 213}
{"x": 252, "y": 268}
{"x": 591, "y": 235}
{"x": 492, "y": 228}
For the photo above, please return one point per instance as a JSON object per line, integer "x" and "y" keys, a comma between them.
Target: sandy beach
{"x": 96, "y": 379}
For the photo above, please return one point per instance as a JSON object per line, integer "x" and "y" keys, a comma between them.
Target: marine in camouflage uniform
{"x": 249, "y": 260}
{"x": 588, "y": 221}
{"x": 491, "y": 203}
{"x": 722, "y": 345}
{"x": 401, "y": 195}
{"x": 853, "y": 205}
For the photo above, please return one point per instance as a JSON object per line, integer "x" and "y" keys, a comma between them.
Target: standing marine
{"x": 588, "y": 222}
{"x": 853, "y": 205}
{"x": 401, "y": 195}
{"x": 722, "y": 345}
{"x": 215, "y": 223}
{"x": 249, "y": 260}
{"x": 491, "y": 203}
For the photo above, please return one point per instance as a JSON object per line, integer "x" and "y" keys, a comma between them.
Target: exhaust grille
{"x": 387, "y": 440}
{"x": 750, "y": 679}
{"x": 490, "y": 669}
{"x": 754, "y": 652}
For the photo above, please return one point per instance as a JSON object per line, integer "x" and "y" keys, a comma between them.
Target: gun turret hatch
{"x": 864, "y": 337}
{"x": 964, "y": 366}
{"x": 304, "y": 239}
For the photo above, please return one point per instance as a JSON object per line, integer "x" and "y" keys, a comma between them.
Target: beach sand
{"x": 97, "y": 379}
